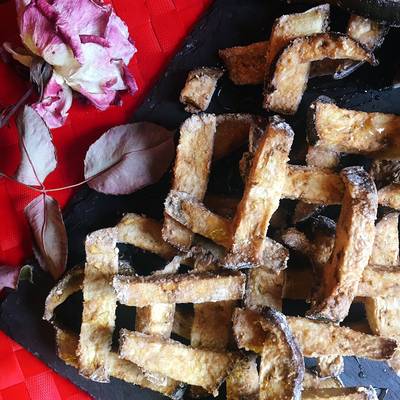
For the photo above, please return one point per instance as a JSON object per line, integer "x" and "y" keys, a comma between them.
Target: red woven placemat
{"x": 157, "y": 28}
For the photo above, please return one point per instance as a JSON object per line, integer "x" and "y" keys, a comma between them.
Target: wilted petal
{"x": 39, "y": 36}
{"x": 87, "y": 44}
{"x": 20, "y": 55}
{"x": 56, "y": 102}
{"x": 117, "y": 35}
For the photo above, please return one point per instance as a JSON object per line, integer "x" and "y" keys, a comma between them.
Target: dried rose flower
{"x": 87, "y": 45}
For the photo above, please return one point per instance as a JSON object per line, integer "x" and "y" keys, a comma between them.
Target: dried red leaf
{"x": 129, "y": 157}
{"x": 38, "y": 155}
{"x": 50, "y": 237}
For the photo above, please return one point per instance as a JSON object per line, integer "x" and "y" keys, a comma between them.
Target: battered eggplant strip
{"x": 158, "y": 319}
{"x": 292, "y": 26}
{"x": 144, "y": 233}
{"x": 67, "y": 345}
{"x": 314, "y": 382}
{"x": 245, "y": 64}
{"x": 196, "y": 287}
{"x": 261, "y": 196}
{"x": 385, "y": 250}
{"x": 353, "y": 246}
{"x": 211, "y": 328}
{"x": 356, "y": 132}
{"x": 199, "y": 367}
{"x": 199, "y": 88}
{"x": 329, "y": 366}
{"x": 212, "y": 325}
{"x": 212, "y": 322}
{"x": 285, "y": 88}
{"x": 376, "y": 280}
{"x": 313, "y": 185}
{"x": 264, "y": 288}
{"x": 99, "y": 304}
{"x": 389, "y": 196}
{"x": 192, "y": 167}
{"x": 193, "y": 215}
{"x": 282, "y": 363}
{"x": 71, "y": 283}
{"x": 383, "y": 315}
{"x": 369, "y": 33}
{"x": 243, "y": 382}
{"x": 357, "y": 393}
{"x": 315, "y": 338}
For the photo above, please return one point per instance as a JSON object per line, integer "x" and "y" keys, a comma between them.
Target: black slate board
{"x": 227, "y": 23}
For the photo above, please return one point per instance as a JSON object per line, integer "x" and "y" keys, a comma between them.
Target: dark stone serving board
{"x": 227, "y": 23}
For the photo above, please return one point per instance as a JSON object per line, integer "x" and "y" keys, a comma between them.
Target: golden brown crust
{"x": 389, "y": 196}
{"x": 67, "y": 345}
{"x": 313, "y": 185}
{"x": 369, "y": 33}
{"x": 196, "y": 287}
{"x": 264, "y": 288}
{"x": 292, "y": 26}
{"x": 197, "y": 367}
{"x": 245, "y": 64}
{"x": 195, "y": 216}
{"x": 315, "y": 338}
{"x": 144, "y": 233}
{"x": 356, "y": 132}
{"x": 282, "y": 364}
{"x": 212, "y": 325}
{"x": 261, "y": 196}
{"x": 70, "y": 283}
{"x": 329, "y": 366}
{"x": 156, "y": 319}
{"x": 379, "y": 280}
{"x": 385, "y": 250}
{"x": 243, "y": 382}
{"x": 288, "y": 83}
{"x": 318, "y": 339}
{"x": 353, "y": 246}
{"x": 366, "y": 31}
{"x": 191, "y": 171}
{"x": 199, "y": 88}
{"x": 383, "y": 314}
{"x": 99, "y": 304}
{"x": 313, "y": 381}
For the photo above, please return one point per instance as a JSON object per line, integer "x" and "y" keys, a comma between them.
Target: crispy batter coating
{"x": 353, "y": 246}
{"x": 245, "y": 64}
{"x": 261, "y": 196}
{"x": 355, "y": 132}
{"x": 99, "y": 304}
{"x": 199, "y": 88}
{"x": 287, "y": 84}
{"x": 199, "y": 367}
{"x": 196, "y": 287}
{"x": 67, "y": 345}
{"x": 144, "y": 233}
{"x": 243, "y": 382}
{"x": 282, "y": 363}
{"x": 191, "y": 171}
{"x": 315, "y": 338}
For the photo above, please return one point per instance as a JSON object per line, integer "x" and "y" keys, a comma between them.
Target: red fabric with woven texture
{"x": 157, "y": 28}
